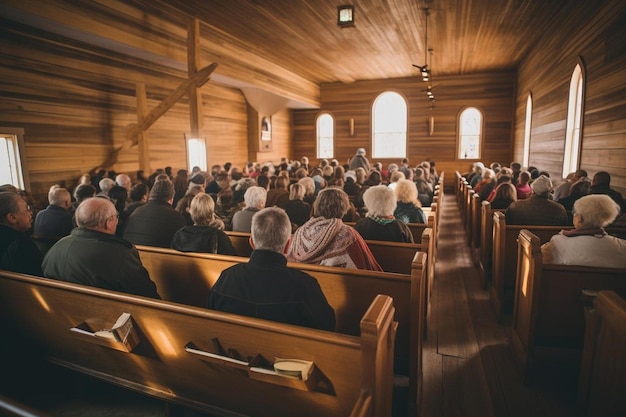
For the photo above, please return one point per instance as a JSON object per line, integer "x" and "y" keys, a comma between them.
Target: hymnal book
{"x": 122, "y": 331}
{"x": 295, "y": 368}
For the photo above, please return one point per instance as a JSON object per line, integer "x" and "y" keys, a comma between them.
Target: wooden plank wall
{"x": 492, "y": 92}
{"x": 600, "y": 45}
{"x": 74, "y": 102}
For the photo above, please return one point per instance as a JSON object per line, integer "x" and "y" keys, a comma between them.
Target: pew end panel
{"x": 241, "y": 243}
{"x": 161, "y": 367}
{"x": 548, "y": 319}
{"x": 601, "y": 389}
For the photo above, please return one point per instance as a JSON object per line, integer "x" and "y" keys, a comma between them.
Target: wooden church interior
{"x": 110, "y": 84}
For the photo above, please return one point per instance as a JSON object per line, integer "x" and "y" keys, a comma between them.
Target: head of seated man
{"x": 265, "y": 287}
{"x": 92, "y": 254}
{"x": 588, "y": 244}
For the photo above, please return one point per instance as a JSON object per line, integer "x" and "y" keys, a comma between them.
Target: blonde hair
{"x": 202, "y": 209}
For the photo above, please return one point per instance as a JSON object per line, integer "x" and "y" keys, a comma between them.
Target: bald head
{"x": 97, "y": 214}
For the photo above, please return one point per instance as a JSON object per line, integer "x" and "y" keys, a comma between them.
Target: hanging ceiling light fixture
{"x": 425, "y": 71}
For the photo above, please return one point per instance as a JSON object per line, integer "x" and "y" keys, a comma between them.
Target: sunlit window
{"x": 571, "y": 155}
{"x": 527, "y": 127}
{"x": 10, "y": 161}
{"x": 196, "y": 153}
{"x": 325, "y": 136}
{"x": 389, "y": 126}
{"x": 470, "y": 133}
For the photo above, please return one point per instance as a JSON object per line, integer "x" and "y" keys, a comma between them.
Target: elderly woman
{"x": 254, "y": 198}
{"x": 380, "y": 224}
{"x": 408, "y": 208}
{"x": 326, "y": 240}
{"x": 206, "y": 234}
{"x": 588, "y": 244}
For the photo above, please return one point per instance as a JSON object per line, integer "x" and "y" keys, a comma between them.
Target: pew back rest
{"x": 604, "y": 358}
{"x": 548, "y": 306}
{"x": 391, "y": 256}
{"x": 187, "y": 278}
{"x": 42, "y": 312}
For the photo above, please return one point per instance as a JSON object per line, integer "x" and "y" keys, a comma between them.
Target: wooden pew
{"x": 486, "y": 242}
{"x": 548, "y": 318}
{"x": 474, "y": 238}
{"x": 176, "y": 359}
{"x": 504, "y": 260}
{"x": 417, "y": 228}
{"x": 602, "y": 391}
{"x": 187, "y": 278}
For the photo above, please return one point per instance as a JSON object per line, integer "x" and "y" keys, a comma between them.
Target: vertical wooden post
{"x": 193, "y": 64}
{"x": 142, "y": 136}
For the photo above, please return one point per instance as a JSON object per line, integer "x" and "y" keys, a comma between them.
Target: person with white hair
{"x": 408, "y": 207}
{"x": 380, "y": 223}
{"x": 538, "y": 209}
{"x": 254, "y": 198}
{"x": 123, "y": 180}
{"x": 265, "y": 287}
{"x": 105, "y": 186}
{"x": 92, "y": 254}
{"x": 55, "y": 221}
{"x": 588, "y": 244}
{"x": 359, "y": 160}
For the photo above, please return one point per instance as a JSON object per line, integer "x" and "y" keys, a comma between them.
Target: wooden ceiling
{"x": 467, "y": 36}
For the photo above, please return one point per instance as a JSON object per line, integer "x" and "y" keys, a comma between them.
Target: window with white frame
{"x": 470, "y": 133}
{"x": 196, "y": 153}
{"x": 571, "y": 155}
{"x": 527, "y": 128}
{"x": 325, "y": 136}
{"x": 389, "y": 126}
{"x": 10, "y": 160}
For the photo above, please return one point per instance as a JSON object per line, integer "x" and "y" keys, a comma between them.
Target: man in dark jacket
{"x": 18, "y": 253}
{"x": 538, "y": 209}
{"x": 265, "y": 287}
{"x": 601, "y": 184}
{"x": 92, "y": 254}
{"x": 154, "y": 223}
{"x": 55, "y": 221}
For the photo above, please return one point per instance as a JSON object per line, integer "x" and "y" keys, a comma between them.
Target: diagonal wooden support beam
{"x": 196, "y": 80}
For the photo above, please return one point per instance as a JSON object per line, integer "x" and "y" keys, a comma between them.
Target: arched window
{"x": 527, "y": 127}
{"x": 470, "y": 133}
{"x": 571, "y": 155}
{"x": 325, "y": 135}
{"x": 389, "y": 126}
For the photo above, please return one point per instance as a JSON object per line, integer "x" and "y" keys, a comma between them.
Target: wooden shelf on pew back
{"x": 40, "y": 311}
{"x": 187, "y": 278}
{"x": 548, "y": 317}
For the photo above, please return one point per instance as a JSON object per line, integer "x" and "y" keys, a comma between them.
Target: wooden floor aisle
{"x": 468, "y": 365}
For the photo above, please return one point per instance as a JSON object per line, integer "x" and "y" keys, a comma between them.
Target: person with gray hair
{"x": 254, "y": 198}
{"x": 18, "y": 253}
{"x": 55, "y": 221}
{"x": 265, "y": 287}
{"x": 105, "y": 185}
{"x": 380, "y": 223}
{"x": 588, "y": 244}
{"x": 359, "y": 160}
{"x": 92, "y": 255}
{"x": 155, "y": 222}
{"x": 538, "y": 209}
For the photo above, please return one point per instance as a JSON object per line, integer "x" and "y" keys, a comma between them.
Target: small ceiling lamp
{"x": 345, "y": 16}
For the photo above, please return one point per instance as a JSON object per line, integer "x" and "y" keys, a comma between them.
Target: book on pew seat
{"x": 292, "y": 373}
{"x": 296, "y": 368}
{"x": 122, "y": 331}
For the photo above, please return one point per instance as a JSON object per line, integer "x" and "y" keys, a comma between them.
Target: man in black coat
{"x": 154, "y": 223}
{"x": 18, "y": 253}
{"x": 92, "y": 254}
{"x": 265, "y": 287}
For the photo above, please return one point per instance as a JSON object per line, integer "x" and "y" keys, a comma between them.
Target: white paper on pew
{"x": 215, "y": 356}
{"x": 82, "y": 331}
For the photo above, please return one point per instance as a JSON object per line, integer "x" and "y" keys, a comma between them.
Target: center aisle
{"x": 469, "y": 369}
